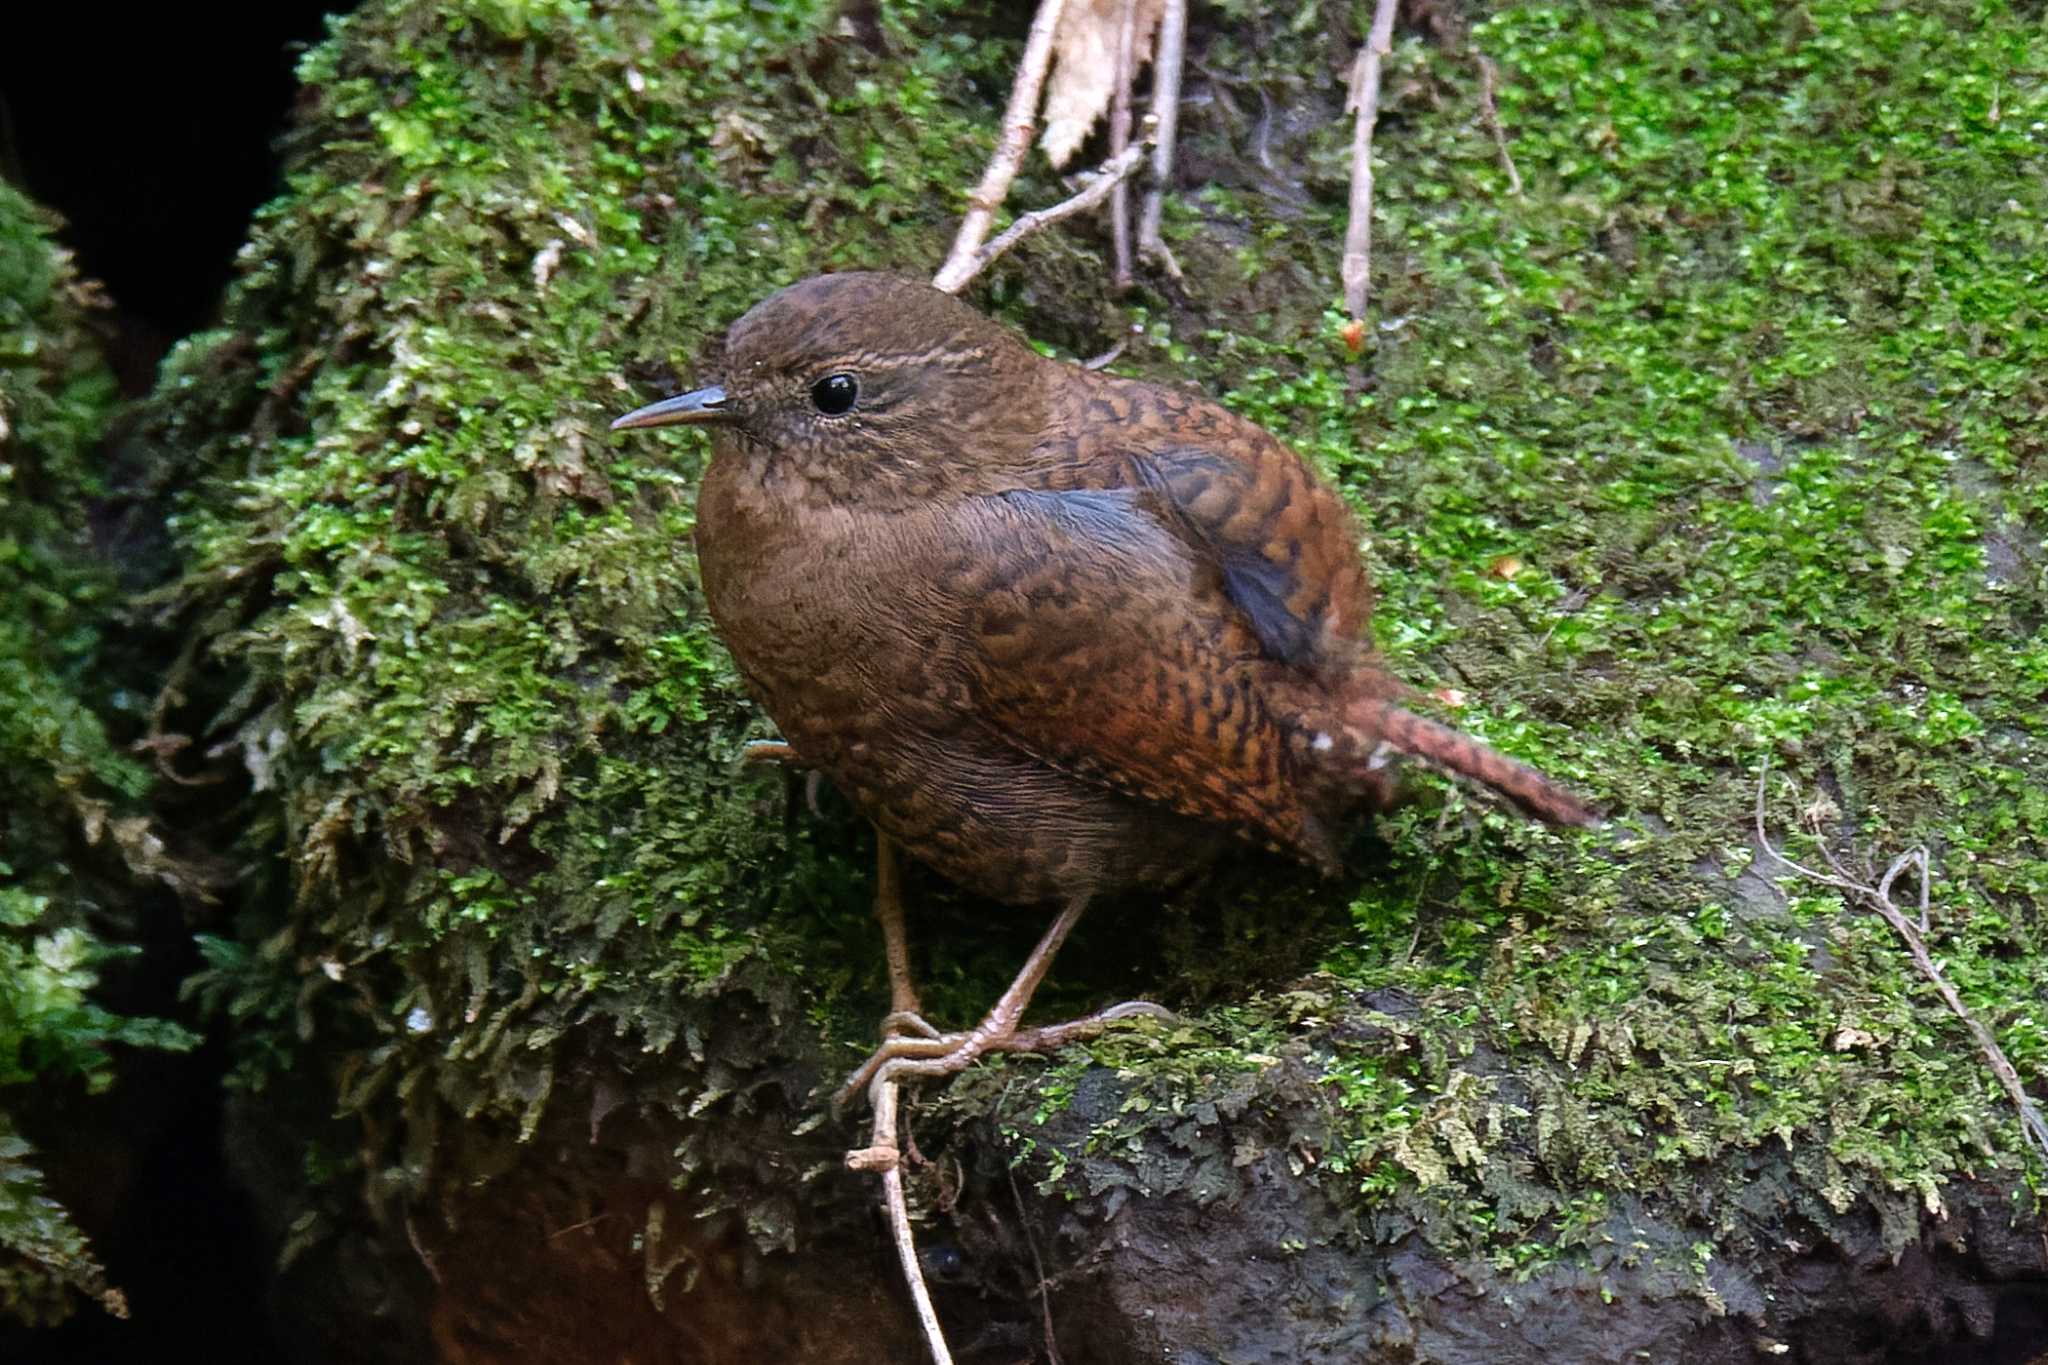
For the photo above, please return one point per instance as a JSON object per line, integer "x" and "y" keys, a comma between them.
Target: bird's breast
{"x": 775, "y": 571}
{"x": 823, "y": 610}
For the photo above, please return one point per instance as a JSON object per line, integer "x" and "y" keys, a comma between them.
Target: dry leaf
{"x": 1084, "y": 69}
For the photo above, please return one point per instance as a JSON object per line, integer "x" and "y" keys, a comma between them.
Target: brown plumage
{"x": 1057, "y": 633}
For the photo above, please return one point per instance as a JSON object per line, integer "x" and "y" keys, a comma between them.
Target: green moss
{"x": 453, "y": 624}
{"x": 1718, "y": 443}
{"x": 72, "y": 841}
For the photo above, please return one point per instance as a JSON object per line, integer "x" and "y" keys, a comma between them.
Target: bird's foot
{"x": 779, "y": 751}
{"x": 932, "y": 1053}
{"x": 906, "y": 1024}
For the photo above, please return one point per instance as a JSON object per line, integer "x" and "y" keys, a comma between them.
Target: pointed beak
{"x": 707, "y": 405}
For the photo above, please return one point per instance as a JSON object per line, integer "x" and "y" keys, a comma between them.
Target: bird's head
{"x": 863, "y": 376}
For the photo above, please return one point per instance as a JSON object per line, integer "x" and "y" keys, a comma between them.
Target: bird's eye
{"x": 834, "y": 394}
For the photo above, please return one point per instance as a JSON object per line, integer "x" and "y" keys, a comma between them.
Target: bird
{"x": 1056, "y": 633}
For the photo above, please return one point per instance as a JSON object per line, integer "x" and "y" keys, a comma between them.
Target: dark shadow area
{"x": 177, "y": 1238}
{"x": 152, "y": 129}
{"x": 143, "y": 1169}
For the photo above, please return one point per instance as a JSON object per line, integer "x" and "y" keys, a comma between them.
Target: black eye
{"x": 834, "y": 394}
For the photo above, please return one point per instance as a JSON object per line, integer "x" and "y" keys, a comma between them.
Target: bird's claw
{"x": 941, "y": 1054}
{"x": 905, "y": 1024}
{"x": 781, "y": 751}
{"x": 938, "y": 1047}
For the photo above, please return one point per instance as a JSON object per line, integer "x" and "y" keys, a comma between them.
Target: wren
{"x": 1056, "y": 633}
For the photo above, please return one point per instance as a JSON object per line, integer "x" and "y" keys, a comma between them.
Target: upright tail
{"x": 1377, "y": 722}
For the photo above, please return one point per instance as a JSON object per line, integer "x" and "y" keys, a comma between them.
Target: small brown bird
{"x": 1057, "y": 633}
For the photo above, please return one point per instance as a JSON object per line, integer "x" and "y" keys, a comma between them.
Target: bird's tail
{"x": 1377, "y": 724}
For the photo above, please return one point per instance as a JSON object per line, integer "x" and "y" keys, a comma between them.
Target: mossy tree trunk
{"x": 1718, "y": 443}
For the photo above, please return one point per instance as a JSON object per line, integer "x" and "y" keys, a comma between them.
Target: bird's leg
{"x": 903, "y": 1016}
{"x": 901, "y": 1058}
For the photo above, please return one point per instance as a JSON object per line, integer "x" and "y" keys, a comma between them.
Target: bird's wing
{"x": 1285, "y": 544}
{"x": 1099, "y": 640}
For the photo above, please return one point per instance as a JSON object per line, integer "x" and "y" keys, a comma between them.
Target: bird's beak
{"x": 700, "y": 406}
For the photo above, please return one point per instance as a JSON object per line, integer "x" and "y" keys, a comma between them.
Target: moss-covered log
{"x": 1718, "y": 445}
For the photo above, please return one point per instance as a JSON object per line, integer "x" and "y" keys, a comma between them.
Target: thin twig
{"x": 2033, "y": 1128}
{"x": 591, "y": 1221}
{"x": 1019, "y": 119}
{"x": 1489, "y": 114}
{"x": 1364, "y": 101}
{"x": 883, "y": 1146}
{"x": 1173, "y": 39}
{"x": 1408, "y": 953}
{"x": 1107, "y": 358}
{"x": 1052, "y": 1349}
{"x": 1764, "y": 840}
{"x": 1111, "y": 174}
{"x": 412, "y": 1234}
{"x": 1120, "y": 138}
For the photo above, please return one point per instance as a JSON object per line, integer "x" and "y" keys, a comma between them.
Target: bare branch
{"x": 1764, "y": 841}
{"x": 1120, "y": 138}
{"x": 2033, "y": 1128}
{"x": 1166, "y": 67}
{"x": 1112, "y": 173}
{"x": 1489, "y": 114}
{"x": 1364, "y": 101}
{"x": 1900, "y": 864}
{"x": 1107, "y": 358}
{"x": 1015, "y": 140}
{"x": 881, "y": 1155}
